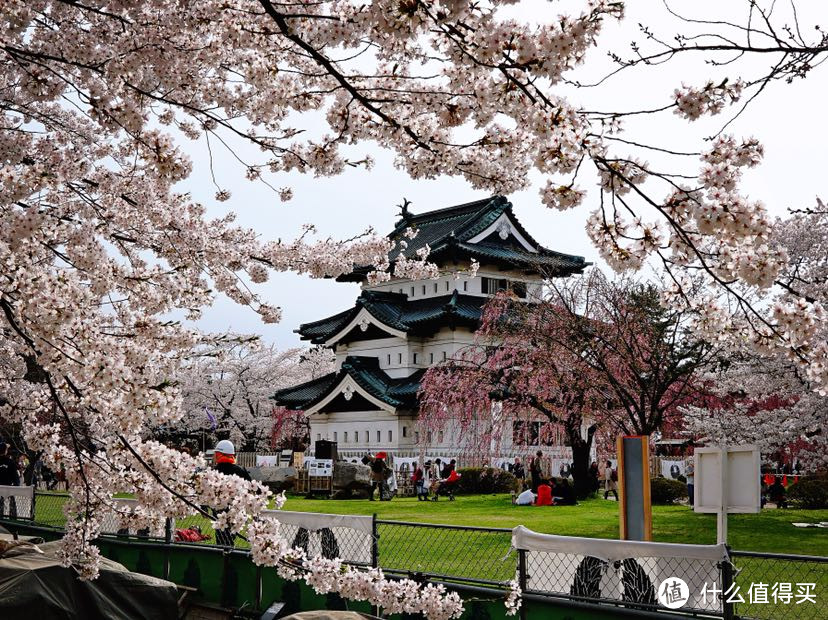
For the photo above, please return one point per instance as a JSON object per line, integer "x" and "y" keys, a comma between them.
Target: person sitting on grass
{"x": 526, "y": 498}
{"x": 544, "y": 494}
{"x": 777, "y": 493}
{"x": 564, "y": 495}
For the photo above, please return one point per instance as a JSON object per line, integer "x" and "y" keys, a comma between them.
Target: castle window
{"x": 435, "y": 287}
{"x": 318, "y": 436}
{"x": 334, "y": 435}
{"x": 431, "y": 358}
{"x": 345, "y": 437}
{"x": 439, "y": 436}
{"x": 424, "y": 289}
{"x": 379, "y": 437}
{"x": 405, "y": 431}
{"x": 390, "y": 435}
{"x": 399, "y": 358}
{"x": 490, "y": 286}
{"x": 415, "y": 358}
{"x": 417, "y": 436}
{"x": 428, "y": 436}
{"x": 412, "y": 291}
{"x": 465, "y": 285}
{"x": 444, "y": 356}
{"x": 367, "y": 437}
{"x": 389, "y": 359}
{"x": 447, "y": 285}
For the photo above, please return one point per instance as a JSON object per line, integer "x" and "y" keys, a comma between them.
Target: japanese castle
{"x": 398, "y": 328}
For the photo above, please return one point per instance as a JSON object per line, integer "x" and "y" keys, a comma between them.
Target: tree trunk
{"x": 580, "y": 458}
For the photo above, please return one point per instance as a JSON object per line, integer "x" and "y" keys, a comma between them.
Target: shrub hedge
{"x": 810, "y": 493}
{"x": 482, "y": 480}
{"x": 666, "y": 491}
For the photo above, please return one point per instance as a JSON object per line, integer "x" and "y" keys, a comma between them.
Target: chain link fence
{"x": 457, "y": 553}
{"x": 771, "y": 586}
{"x": 759, "y": 586}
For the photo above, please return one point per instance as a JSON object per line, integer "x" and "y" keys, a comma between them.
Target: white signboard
{"x": 267, "y": 460}
{"x": 727, "y": 480}
{"x": 320, "y": 467}
{"x": 740, "y": 478}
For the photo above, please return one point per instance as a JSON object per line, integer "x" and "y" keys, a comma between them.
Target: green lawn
{"x": 484, "y": 555}
{"x": 770, "y": 530}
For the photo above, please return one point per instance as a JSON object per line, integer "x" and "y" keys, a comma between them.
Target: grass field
{"x": 770, "y": 530}
{"x": 484, "y": 555}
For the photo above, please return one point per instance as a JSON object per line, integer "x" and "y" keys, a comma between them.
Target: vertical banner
{"x": 634, "y": 488}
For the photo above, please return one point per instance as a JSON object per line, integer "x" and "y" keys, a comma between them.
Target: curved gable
{"x": 362, "y": 322}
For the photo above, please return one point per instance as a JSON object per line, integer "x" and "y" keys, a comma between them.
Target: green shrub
{"x": 482, "y": 480}
{"x": 810, "y": 493}
{"x": 666, "y": 491}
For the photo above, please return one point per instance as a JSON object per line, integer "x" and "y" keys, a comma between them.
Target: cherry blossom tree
{"x": 766, "y": 402}
{"x": 767, "y": 399}
{"x": 594, "y": 354}
{"x": 227, "y": 390}
{"x": 100, "y": 248}
{"x": 513, "y": 376}
{"x": 646, "y": 356}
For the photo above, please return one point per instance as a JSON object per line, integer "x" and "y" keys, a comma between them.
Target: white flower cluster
{"x": 331, "y": 575}
{"x": 514, "y": 600}
{"x": 692, "y": 103}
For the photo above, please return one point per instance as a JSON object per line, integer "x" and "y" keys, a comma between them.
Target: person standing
{"x": 418, "y": 478}
{"x": 690, "y": 474}
{"x": 536, "y": 471}
{"x": 379, "y": 476}
{"x": 9, "y": 476}
{"x": 518, "y": 470}
{"x": 610, "y": 481}
{"x": 594, "y": 477}
{"x": 225, "y": 462}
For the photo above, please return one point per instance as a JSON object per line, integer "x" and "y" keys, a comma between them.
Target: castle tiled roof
{"x": 418, "y": 316}
{"x": 449, "y": 233}
{"x": 366, "y": 373}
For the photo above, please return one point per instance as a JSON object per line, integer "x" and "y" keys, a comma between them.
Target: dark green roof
{"x": 418, "y": 316}
{"x": 365, "y": 371}
{"x": 448, "y": 232}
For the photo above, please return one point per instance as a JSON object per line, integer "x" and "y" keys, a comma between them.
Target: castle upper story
{"x": 398, "y": 328}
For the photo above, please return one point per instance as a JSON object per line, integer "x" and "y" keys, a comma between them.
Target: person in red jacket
{"x": 544, "y": 494}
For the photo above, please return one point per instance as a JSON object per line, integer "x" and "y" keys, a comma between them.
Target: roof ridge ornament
{"x": 404, "y": 212}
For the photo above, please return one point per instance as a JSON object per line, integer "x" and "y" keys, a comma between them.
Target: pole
{"x": 523, "y": 578}
{"x": 721, "y": 520}
{"x": 168, "y": 527}
{"x": 727, "y": 582}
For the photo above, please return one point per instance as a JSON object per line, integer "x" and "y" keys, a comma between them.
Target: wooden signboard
{"x": 634, "y": 488}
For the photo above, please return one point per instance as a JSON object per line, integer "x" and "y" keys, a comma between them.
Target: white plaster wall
{"x": 397, "y": 356}
{"x": 447, "y": 283}
{"x": 367, "y": 431}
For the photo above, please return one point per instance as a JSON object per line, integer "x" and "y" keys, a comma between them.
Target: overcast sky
{"x": 788, "y": 119}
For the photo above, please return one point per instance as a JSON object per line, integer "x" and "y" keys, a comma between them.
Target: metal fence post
{"x": 728, "y": 612}
{"x": 374, "y": 542}
{"x": 258, "y": 587}
{"x": 167, "y": 542}
{"x": 523, "y": 579}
